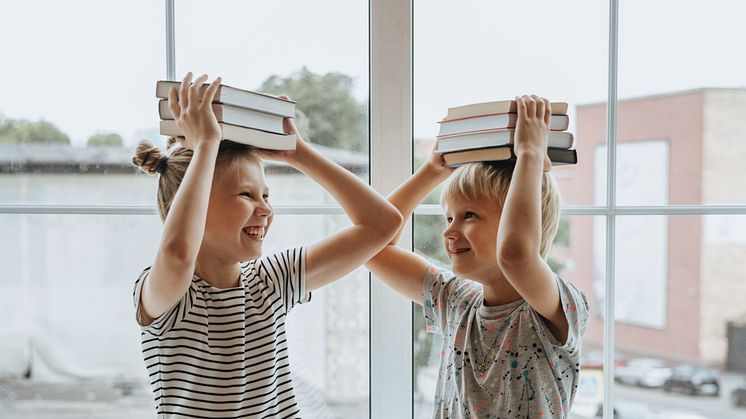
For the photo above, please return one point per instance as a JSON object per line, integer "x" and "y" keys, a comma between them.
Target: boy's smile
{"x": 470, "y": 237}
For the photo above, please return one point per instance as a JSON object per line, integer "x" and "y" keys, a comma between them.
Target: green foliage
{"x": 105, "y": 140}
{"x": 329, "y": 114}
{"x": 31, "y": 132}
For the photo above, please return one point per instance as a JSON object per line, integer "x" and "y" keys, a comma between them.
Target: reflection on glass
{"x": 69, "y": 342}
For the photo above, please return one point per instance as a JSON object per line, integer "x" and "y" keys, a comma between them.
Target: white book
{"x": 236, "y": 116}
{"x": 229, "y": 95}
{"x": 493, "y": 122}
{"x": 495, "y": 138}
{"x": 243, "y": 135}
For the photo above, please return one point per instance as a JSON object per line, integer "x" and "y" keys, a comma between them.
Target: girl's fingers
{"x": 173, "y": 103}
{"x": 183, "y": 89}
{"x": 195, "y": 89}
{"x": 530, "y": 106}
{"x": 210, "y": 92}
{"x": 540, "y": 106}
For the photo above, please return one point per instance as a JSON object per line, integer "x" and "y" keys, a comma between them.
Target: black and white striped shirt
{"x": 222, "y": 353}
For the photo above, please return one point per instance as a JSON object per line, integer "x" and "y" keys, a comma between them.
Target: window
{"x": 653, "y": 216}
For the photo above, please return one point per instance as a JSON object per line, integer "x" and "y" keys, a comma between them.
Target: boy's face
{"x": 470, "y": 238}
{"x": 238, "y": 215}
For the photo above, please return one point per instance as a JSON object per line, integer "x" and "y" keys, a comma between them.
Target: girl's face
{"x": 470, "y": 237}
{"x": 238, "y": 214}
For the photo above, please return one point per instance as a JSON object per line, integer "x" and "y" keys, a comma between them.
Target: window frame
{"x": 391, "y": 141}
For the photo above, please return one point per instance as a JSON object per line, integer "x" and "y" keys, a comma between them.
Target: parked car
{"x": 649, "y": 372}
{"x": 738, "y": 396}
{"x": 693, "y": 379}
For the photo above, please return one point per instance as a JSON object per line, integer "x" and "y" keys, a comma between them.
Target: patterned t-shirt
{"x": 222, "y": 352}
{"x": 501, "y": 361}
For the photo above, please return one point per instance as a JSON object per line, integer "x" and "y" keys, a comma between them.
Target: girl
{"x": 212, "y": 310}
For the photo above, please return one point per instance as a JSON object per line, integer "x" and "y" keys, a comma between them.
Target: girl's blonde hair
{"x": 148, "y": 158}
{"x": 474, "y": 181}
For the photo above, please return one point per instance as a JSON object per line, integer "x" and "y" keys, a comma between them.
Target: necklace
{"x": 487, "y": 353}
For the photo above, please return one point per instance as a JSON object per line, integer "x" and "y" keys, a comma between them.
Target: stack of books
{"x": 246, "y": 117}
{"x": 485, "y": 132}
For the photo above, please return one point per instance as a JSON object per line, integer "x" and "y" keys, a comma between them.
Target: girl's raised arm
{"x": 375, "y": 221}
{"x": 184, "y": 228}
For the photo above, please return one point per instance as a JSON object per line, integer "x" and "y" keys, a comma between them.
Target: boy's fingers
{"x": 173, "y": 103}
{"x": 288, "y": 125}
{"x": 183, "y": 89}
{"x": 521, "y": 105}
{"x": 210, "y": 92}
{"x": 195, "y": 89}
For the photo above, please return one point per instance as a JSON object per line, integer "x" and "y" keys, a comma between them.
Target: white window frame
{"x": 391, "y": 52}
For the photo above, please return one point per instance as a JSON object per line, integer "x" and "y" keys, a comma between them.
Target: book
{"x": 248, "y": 136}
{"x": 494, "y": 138}
{"x": 492, "y": 122}
{"x": 558, "y": 156}
{"x": 496, "y": 107}
{"x": 229, "y": 95}
{"x": 235, "y": 116}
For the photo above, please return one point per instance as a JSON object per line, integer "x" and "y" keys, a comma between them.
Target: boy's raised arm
{"x": 401, "y": 269}
{"x": 519, "y": 233}
{"x": 375, "y": 221}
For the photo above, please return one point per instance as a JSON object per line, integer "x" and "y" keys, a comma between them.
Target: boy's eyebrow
{"x": 253, "y": 186}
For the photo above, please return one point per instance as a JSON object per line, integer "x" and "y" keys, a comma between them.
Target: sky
{"x": 95, "y": 71}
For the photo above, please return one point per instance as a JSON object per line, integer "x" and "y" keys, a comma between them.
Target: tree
{"x": 328, "y": 112}
{"x": 104, "y": 140}
{"x": 31, "y": 132}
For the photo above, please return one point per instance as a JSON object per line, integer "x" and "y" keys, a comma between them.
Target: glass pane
{"x": 681, "y": 119}
{"x": 680, "y": 321}
{"x": 487, "y": 54}
{"x": 292, "y": 47}
{"x": 69, "y": 343}
{"x": 78, "y": 97}
{"x": 576, "y": 238}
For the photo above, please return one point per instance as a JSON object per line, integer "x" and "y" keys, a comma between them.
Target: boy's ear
{"x": 547, "y": 163}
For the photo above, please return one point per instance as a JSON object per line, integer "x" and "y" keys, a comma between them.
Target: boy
{"x": 511, "y": 330}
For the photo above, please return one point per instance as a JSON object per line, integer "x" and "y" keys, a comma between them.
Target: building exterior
{"x": 679, "y": 279}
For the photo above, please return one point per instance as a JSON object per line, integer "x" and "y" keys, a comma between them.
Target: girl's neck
{"x": 217, "y": 272}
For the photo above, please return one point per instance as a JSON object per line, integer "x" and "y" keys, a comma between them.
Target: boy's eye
{"x": 246, "y": 194}
{"x": 469, "y": 214}
{"x": 449, "y": 219}
{"x": 266, "y": 197}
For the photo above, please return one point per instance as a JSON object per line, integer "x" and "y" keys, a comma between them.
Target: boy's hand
{"x": 532, "y": 129}
{"x": 194, "y": 117}
{"x": 288, "y": 156}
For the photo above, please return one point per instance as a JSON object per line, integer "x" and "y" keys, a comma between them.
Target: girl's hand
{"x": 436, "y": 164}
{"x": 195, "y": 118}
{"x": 287, "y": 156}
{"x": 532, "y": 129}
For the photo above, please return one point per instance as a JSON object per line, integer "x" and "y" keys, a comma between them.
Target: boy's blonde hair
{"x": 475, "y": 181}
{"x": 148, "y": 158}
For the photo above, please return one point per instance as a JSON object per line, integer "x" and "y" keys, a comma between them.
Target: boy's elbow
{"x": 515, "y": 255}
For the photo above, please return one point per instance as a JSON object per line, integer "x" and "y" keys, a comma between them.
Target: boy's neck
{"x": 498, "y": 291}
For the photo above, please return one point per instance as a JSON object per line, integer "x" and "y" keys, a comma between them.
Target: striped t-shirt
{"x": 222, "y": 352}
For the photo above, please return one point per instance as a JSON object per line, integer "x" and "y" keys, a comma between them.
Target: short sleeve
{"x": 285, "y": 273}
{"x": 437, "y": 289}
{"x": 577, "y": 312}
{"x": 171, "y": 317}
